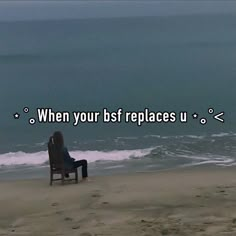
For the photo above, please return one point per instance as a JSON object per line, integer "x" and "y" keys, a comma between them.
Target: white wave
{"x": 38, "y": 158}
{"x": 220, "y": 135}
{"x": 176, "y": 137}
{"x": 184, "y": 136}
{"x": 195, "y": 136}
{"x": 199, "y": 158}
{"x": 217, "y": 160}
{"x": 208, "y": 158}
{"x": 152, "y": 136}
{"x": 165, "y": 137}
{"x": 126, "y": 138}
{"x": 228, "y": 165}
{"x": 40, "y": 144}
{"x": 114, "y": 167}
{"x": 21, "y": 145}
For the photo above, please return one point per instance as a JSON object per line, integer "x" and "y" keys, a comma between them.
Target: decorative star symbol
{"x": 16, "y": 115}
{"x": 195, "y": 115}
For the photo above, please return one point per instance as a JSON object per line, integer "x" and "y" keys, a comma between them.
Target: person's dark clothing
{"x": 68, "y": 160}
{"x": 71, "y": 163}
{"x": 84, "y": 165}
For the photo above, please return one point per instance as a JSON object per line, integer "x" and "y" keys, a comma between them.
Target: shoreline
{"x": 189, "y": 201}
{"x": 42, "y": 173}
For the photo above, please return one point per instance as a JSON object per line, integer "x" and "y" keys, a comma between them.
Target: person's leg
{"x": 84, "y": 165}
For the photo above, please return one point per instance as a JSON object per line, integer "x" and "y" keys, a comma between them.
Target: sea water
{"x": 163, "y": 63}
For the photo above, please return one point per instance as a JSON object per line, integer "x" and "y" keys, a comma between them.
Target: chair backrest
{"x": 56, "y": 160}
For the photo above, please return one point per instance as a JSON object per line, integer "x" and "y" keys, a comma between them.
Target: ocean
{"x": 184, "y": 63}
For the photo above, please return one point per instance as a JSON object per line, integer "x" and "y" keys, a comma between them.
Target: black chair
{"x": 57, "y": 166}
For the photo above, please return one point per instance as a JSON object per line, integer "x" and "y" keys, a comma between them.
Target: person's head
{"x": 58, "y": 139}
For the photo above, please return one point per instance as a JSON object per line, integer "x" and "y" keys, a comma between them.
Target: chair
{"x": 57, "y": 166}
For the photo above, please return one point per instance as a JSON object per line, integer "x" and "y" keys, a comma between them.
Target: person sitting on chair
{"x": 68, "y": 160}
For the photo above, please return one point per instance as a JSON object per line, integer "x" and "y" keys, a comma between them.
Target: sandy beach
{"x": 177, "y": 202}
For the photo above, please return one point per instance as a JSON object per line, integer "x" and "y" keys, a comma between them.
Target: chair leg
{"x": 76, "y": 176}
{"x": 62, "y": 178}
{"x": 51, "y": 178}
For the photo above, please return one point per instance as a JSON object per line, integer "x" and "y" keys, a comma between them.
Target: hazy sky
{"x": 34, "y": 9}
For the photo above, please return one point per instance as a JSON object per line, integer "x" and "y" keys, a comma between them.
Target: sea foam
{"x": 39, "y": 158}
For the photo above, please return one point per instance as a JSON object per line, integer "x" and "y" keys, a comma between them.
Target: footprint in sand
{"x": 59, "y": 212}
{"x": 68, "y": 219}
{"x": 91, "y": 213}
{"x": 207, "y": 223}
{"x": 221, "y": 191}
{"x": 96, "y": 195}
{"x": 76, "y": 227}
{"x": 55, "y": 204}
{"x": 164, "y": 232}
{"x": 105, "y": 203}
